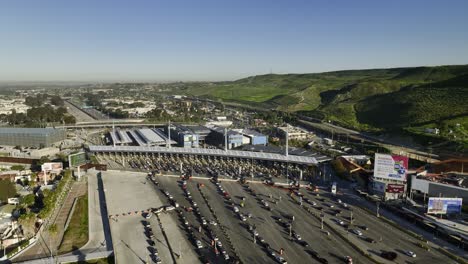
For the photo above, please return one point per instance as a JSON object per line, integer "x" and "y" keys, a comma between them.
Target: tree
{"x": 17, "y": 167}
{"x": 28, "y": 200}
{"x": 7, "y": 190}
{"x": 69, "y": 119}
{"x": 56, "y": 100}
{"x": 43, "y": 160}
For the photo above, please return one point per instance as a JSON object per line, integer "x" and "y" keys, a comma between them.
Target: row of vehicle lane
{"x": 303, "y": 229}
{"x": 195, "y": 220}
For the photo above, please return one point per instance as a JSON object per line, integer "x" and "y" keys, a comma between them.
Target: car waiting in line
{"x": 410, "y": 253}
{"x": 357, "y": 232}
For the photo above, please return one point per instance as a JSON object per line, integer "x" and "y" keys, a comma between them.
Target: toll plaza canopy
{"x": 308, "y": 160}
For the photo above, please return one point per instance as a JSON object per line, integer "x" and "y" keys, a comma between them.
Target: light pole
{"x": 290, "y": 229}
{"x": 4, "y": 248}
{"x": 321, "y": 221}
{"x": 378, "y": 207}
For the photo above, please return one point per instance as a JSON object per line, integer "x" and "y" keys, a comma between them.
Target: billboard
{"x": 52, "y": 166}
{"x": 395, "y": 188}
{"x": 390, "y": 167}
{"x": 77, "y": 159}
{"x": 442, "y": 205}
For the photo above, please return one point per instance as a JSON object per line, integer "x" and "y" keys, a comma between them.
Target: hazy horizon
{"x": 171, "y": 81}
{"x": 148, "y": 41}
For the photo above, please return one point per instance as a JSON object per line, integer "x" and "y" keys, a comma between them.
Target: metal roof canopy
{"x": 150, "y": 136}
{"x": 209, "y": 152}
{"x": 124, "y": 138}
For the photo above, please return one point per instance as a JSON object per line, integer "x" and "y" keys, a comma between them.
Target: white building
{"x": 297, "y": 133}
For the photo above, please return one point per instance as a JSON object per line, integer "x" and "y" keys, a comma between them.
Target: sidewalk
{"x": 42, "y": 247}
{"x": 99, "y": 244}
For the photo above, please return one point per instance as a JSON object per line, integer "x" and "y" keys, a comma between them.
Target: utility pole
{"x": 4, "y": 248}
{"x": 321, "y": 221}
{"x": 169, "y": 134}
{"x": 287, "y": 139}
{"x": 51, "y": 255}
{"x": 225, "y": 140}
{"x": 290, "y": 230}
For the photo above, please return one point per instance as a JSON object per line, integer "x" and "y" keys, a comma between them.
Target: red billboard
{"x": 395, "y": 188}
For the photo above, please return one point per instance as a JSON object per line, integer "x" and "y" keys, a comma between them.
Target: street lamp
{"x": 321, "y": 221}
{"x": 378, "y": 207}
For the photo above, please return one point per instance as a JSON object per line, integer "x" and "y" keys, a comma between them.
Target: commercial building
{"x": 217, "y": 138}
{"x": 296, "y": 133}
{"x": 252, "y": 137}
{"x": 441, "y": 179}
{"x": 31, "y": 137}
{"x": 183, "y": 135}
{"x": 429, "y": 186}
{"x": 201, "y": 131}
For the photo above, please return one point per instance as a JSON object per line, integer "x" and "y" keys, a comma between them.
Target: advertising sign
{"x": 390, "y": 167}
{"x": 52, "y": 166}
{"x": 442, "y": 205}
{"x": 395, "y": 188}
{"x": 77, "y": 159}
{"x": 378, "y": 186}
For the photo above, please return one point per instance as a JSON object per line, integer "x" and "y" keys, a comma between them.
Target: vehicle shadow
{"x": 338, "y": 258}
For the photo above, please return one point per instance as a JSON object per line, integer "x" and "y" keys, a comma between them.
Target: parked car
{"x": 348, "y": 259}
{"x": 304, "y": 243}
{"x": 390, "y": 255}
{"x": 357, "y": 232}
{"x": 370, "y": 240}
{"x": 363, "y": 227}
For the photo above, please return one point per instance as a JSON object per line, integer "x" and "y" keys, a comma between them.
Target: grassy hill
{"x": 372, "y": 100}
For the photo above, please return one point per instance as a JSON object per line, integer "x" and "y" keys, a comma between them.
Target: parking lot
{"x": 237, "y": 236}
{"x": 226, "y": 221}
{"x": 127, "y": 194}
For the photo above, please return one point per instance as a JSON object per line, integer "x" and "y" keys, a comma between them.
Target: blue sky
{"x": 223, "y": 40}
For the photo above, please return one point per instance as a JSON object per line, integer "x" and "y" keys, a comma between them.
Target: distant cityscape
{"x": 97, "y": 138}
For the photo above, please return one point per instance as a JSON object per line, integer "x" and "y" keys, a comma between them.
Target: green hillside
{"x": 373, "y": 100}
{"x": 413, "y": 106}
